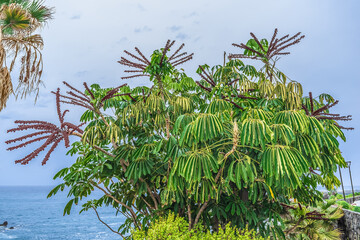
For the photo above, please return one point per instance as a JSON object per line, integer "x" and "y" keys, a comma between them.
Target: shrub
{"x": 177, "y": 228}
{"x": 356, "y": 209}
{"x": 344, "y": 204}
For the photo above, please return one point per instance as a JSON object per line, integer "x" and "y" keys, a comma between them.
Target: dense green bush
{"x": 348, "y": 206}
{"x": 356, "y": 209}
{"x": 350, "y": 195}
{"x": 340, "y": 196}
{"x": 177, "y": 228}
{"x": 337, "y": 196}
{"x": 344, "y": 204}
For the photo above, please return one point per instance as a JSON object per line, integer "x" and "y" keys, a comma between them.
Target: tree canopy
{"x": 234, "y": 145}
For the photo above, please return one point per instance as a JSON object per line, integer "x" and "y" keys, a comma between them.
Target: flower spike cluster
{"x": 321, "y": 114}
{"x": 140, "y": 62}
{"x": 76, "y": 97}
{"x": 276, "y": 46}
{"x": 44, "y": 130}
{"x": 210, "y": 80}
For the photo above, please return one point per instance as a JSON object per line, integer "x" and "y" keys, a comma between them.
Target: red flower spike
{"x": 275, "y": 48}
{"x": 141, "y": 62}
{"x": 54, "y": 137}
{"x": 320, "y": 113}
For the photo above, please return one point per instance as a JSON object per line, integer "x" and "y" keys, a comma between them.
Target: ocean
{"x": 33, "y": 216}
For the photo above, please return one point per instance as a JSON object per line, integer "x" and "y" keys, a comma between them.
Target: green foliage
{"x": 229, "y": 149}
{"x": 356, "y": 209}
{"x": 312, "y": 223}
{"x": 177, "y": 228}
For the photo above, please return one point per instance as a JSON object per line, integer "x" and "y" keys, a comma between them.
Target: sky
{"x": 86, "y": 38}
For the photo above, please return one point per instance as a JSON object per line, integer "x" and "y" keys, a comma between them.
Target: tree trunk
{"x": 244, "y": 195}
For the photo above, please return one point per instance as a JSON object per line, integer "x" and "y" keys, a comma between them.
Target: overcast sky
{"x": 86, "y": 38}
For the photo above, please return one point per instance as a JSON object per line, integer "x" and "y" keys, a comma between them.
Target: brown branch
{"x": 306, "y": 110}
{"x": 293, "y": 228}
{"x": 203, "y": 207}
{"x": 97, "y": 214}
{"x": 189, "y": 216}
{"x": 151, "y": 194}
{"x": 133, "y": 214}
{"x": 311, "y": 102}
{"x": 202, "y": 86}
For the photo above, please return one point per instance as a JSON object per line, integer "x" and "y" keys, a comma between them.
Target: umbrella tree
{"x": 234, "y": 145}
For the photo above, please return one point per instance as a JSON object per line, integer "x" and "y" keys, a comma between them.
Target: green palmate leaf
{"x": 255, "y": 132}
{"x": 328, "y": 98}
{"x": 173, "y": 150}
{"x": 266, "y": 88}
{"x": 283, "y": 166}
{"x": 249, "y": 70}
{"x": 124, "y": 152}
{"x": 315, "y": 126}
{"x": 182, "y": 105}
{"x": 206, "y": 126}
{"x": 283, "y": 134}
{"x": 219, "y": 106}
{"x": 187, "y": 136}
{"x": 258, "y": 113}
{"x": 183, "y": 120}
{"x": 155, "y": 103}
{"x": 327, "y": 140}
{"x": 335, "y": 131}
{"x": 307, "y": 145}
{"x": 329, "y": 162}
{"x": 139, "y": 168}
{"x": 242, "y": 172}
{"x": 297, "y": 120}
{"x": 187, "y": 83}
{"x": 193, "y": 166}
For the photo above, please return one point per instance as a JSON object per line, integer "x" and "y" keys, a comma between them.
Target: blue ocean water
{"x": 33, "y": 216}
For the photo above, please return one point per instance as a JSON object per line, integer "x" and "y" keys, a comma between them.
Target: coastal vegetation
{"x": 176, "y": 228}
{"x": 20, "y": 43}
{"x": 237, "y": 148}
{"x": 338, "y": 199}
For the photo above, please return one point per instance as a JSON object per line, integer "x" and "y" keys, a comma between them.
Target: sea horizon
{"x": 34, "y": 216}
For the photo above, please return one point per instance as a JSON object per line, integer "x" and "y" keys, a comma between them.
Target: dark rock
{"x": 11, "y": 228}
{"x": 4, "y": 224}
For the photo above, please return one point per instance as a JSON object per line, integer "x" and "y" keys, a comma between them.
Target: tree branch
{"x": 97, "y": 214}
{"x": 133, "y": 214}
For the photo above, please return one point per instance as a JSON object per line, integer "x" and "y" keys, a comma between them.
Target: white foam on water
{"x": 5, "y": 236}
